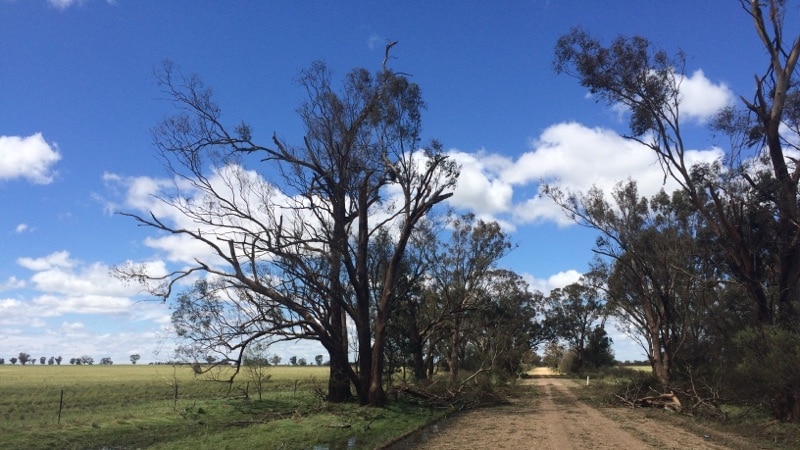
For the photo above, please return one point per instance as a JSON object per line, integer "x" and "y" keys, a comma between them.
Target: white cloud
{"x": 555, "y": 281}
{"x": 701, "y": 99}
{"x": 64, "y": 4}
{"x": 53, "y": 305}
{"x": 569, "y": 155}
{"x": 12, "y": 283}
{"x": 28, "y": 157}
{"x": 479, "y": 186}
{"x": 68, "y": 327}
{"x": 56, "y": 259}
{"x": 23, "y": 227}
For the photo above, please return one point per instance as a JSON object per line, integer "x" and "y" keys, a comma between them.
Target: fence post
{"x": 60, "y": 406}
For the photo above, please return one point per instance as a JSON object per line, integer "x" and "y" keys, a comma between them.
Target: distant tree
{"x": 13, "y": 360}
{"x": 318, "y": 359}
{"x": 574, "y": 312}
{"x": 58, "y": 360}
{"x": 302, "y": 362}
{"x": 293, "y": 360}
{"x": 32, "y": 361}
{"x": 598, "y": 349}
{"x": 459, "y": 274}
{"x": 86, "y": 359}
{"x": 24, "y": 358}
{"x": 51, "y": 361}
{"x": 2, "y": 361}
{"x": 210, "y": 359}
{"x": 42, "y": 360}
{"x": 72, "y": 360}
{"x": 275, "y": 360}
{"x": 106, "y": 361}
{"x": 134, "y": 358}
{"x": 78, "y": 361}
{"x": 553, "y": 352}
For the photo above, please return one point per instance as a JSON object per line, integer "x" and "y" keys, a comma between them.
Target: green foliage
{"x": 769, "y": 364}
{"x": 598, "y": 350}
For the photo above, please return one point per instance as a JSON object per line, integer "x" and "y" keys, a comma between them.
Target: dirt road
{"x": 555, "y": 419}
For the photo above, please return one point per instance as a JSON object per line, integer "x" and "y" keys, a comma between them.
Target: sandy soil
{"x": 554, "y": 418}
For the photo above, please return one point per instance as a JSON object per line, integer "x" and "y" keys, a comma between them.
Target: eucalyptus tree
{"x": 460, "y": 274}
{"x": 659, "y": 276}
{"x": 294, "y": 251}
{"x": 573, "y": 313}
{"x": 630, "y": 72}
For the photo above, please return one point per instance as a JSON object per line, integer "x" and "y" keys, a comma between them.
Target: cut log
{"x": 668, "y": 401}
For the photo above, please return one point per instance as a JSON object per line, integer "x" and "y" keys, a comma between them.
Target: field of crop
{"x": 168, "y": 407}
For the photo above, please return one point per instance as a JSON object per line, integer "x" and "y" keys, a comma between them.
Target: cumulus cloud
{"x": 31, "y": 158}
{"x": 67, "y": 286}
{"x": 21, "y": 228}
{"x": 570, "y": 155}
{"x": 12, "y": 283}
{"x": 701, "y": 99}
{"x": 56, "y": 259}
{"x": 480, "y": 187}
{"x": 555, "y": 281}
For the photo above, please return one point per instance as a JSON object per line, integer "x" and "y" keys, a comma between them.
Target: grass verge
{"x": 164, "y": 407}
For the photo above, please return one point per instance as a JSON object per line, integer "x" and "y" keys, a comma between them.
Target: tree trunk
{"x": 453, "y": 356}
{"x": 377, "y": 396}
{"x": 417, "y": 357}
{"x": 339, "y": 377}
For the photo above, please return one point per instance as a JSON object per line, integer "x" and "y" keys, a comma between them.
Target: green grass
{"x": 137, "y": 407}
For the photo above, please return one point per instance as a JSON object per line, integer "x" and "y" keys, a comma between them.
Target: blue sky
{"x": 78, "y": 98}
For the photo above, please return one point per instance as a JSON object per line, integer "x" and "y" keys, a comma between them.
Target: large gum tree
{"x": 290, "y": 254}
{"x": 647, "y": 81}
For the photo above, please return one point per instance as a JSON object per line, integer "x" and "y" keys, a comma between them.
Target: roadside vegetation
{"x": 622, "y": 387}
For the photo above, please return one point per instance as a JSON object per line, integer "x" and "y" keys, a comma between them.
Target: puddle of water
{"x": 349, "y": 444}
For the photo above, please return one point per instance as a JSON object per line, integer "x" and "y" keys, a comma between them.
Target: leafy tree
{"x": 500, "y": 328}
{"x": 42, "y": 360}
{"x": 256, "y": 363}
{"x": 631, "y": 73}
{"x": 574, "y": 311}
{"x": 293, "y": 360}
{"x": 106, "y": 361}
{"x": 58, "y": 360}
{"x": 460, "y": 274}
{"x": 297, "y": 255}
{"x": 659, "y": 273}
{"x": 553, "y": 352}
{"x": 598, "y": 352}
{"x": 73, "y": 361}
{"x": 51, "y": 361}
{"x": 318, "y": 359}
{"x": 13, "y": 360}
{"x": 2, "y": 361}
{"x": 302, "y": 362}
{"x": 135, "y": 358}
{"x": 23, "y": 358}
{"x": 275, "y": 360}
{"x": 86, "y": 359}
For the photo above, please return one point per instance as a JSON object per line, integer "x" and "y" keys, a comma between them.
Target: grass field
{"x": 167, "y": 407}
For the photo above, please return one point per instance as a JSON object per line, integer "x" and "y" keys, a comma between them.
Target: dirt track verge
{"x": 551, "y": 417}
